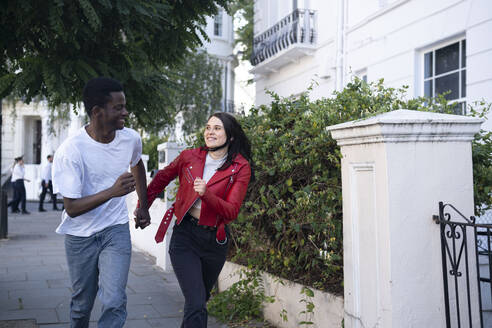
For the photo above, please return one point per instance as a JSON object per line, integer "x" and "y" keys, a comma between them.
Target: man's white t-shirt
{"x": 84, "y": 167}
{"x": 46, "y": 172}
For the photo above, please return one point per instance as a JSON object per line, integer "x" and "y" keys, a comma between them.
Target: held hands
{"x": 125, "y": 184}
{"x": 142, "y": 218}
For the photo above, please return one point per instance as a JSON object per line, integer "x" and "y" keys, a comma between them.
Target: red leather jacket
{"x": 222, "y": 198}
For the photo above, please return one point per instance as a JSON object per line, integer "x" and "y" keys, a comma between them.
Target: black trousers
{"x": 19, "y": 195}
{"x": 47, "y": 187}
{"x": 197, "y": 260}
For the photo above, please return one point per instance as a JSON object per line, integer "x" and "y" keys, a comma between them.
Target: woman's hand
{"x": 200, "y": 186}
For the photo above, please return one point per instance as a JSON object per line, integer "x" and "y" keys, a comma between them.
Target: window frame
{"x": 362, "y": 74}
{"x": 220, "y": 15}
{"x": 461, "y": 99}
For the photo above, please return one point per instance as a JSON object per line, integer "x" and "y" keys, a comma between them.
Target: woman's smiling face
{"x": 214, "y": 134}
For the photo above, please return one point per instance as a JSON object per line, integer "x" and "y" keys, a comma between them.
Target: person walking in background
{"x": 90, "y": 171}
{"x": 17, "y": 179}
{"x": 213, "y": 180}
{"x": 46, "y": 185}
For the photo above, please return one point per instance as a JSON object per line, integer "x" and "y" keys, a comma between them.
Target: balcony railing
{"x": 297, "y": 28}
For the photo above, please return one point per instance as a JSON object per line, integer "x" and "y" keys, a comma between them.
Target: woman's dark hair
{"x": 97, "y": 92}
{"x": 237, "y": 140}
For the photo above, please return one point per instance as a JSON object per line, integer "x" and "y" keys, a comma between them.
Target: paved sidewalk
{"x": 34, "y": 282}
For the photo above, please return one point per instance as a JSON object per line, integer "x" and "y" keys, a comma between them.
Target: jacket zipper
{"x": 231, "y": 181}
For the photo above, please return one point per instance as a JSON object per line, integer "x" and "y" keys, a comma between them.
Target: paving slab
{"x": 18, "y": 324}
{"x": 35, "y": 286}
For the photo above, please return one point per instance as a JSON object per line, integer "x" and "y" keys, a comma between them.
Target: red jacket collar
{"x": 202, "y": 154}
{"x": 197, "y": 170}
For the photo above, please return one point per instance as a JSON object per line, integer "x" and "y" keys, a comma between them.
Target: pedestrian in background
{"x": 46, "y": 185}
{"x": 17, "y": 179}
{"x": 213, "y": 180}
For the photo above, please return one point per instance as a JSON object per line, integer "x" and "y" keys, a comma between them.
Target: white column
{"x": 144, "y": 239}
{"x": 396, "y": 167}
{"x": 170, "y": 150}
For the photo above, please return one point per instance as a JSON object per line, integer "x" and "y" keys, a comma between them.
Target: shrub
{"x": 291, "y": 222}
{"x": 149, "y": 145}
{"x": 242, "y": 302}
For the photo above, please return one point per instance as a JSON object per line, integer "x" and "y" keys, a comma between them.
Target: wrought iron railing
{"x": 299, "y": 27}
{"x": 457, "y": 265}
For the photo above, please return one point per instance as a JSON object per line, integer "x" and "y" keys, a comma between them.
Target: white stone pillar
{"x": 396, "y": 167}
{"x": 168, "y": 151}
{"x": 144, "y": 239}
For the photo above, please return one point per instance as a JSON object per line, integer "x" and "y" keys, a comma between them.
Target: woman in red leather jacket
{"x": 212, "y": 184}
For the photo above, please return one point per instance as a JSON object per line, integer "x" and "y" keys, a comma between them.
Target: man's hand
{"x": 200, "y": 186}
{"x": 142, "y": 218}
{"x": 125, "y": 184}
{"x": 78, "y": 206}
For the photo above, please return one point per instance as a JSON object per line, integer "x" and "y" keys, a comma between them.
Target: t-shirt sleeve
{"x": 137, "y": 151}
{"x": 67, "y": 177}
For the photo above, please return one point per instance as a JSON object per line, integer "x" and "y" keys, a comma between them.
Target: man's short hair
{"x": 49, "y": 156}
{"x": 97, "y": 92}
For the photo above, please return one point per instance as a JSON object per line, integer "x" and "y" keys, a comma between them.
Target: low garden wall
{"x": 328, "y": 309}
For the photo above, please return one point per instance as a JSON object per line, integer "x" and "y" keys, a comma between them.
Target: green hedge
{"x": 291, "y": 222}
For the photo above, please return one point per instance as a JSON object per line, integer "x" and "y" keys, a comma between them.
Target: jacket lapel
{"x": 197, "y": 164}
{"x": 220, "y": 175}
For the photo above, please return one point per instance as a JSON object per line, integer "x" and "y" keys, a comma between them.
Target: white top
{"x": 211, "y": 166}
{"x": 84, "y": 167}
{"x": 18, "y": 172}
{"x": 46, "y": 172}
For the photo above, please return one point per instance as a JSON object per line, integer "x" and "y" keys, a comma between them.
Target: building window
{"x": 445, "y": 73}
{"x": 218, "y": 23}
{"x": 362, "y": 74}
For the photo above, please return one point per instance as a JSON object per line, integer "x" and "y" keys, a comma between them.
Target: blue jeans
{"x": 197, "y": 260}
{"x": 99, "y": 264}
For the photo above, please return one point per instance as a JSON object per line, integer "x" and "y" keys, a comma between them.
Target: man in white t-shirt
{"x": 90, "y": 171}
{"x": 47, "y": 185}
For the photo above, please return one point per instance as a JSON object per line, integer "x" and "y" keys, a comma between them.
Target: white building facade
{"x": 430, "y": 46}
{"x": 220, "y": 30}
{"x": 31, "y": 131}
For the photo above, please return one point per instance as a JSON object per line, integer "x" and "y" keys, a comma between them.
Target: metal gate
{"x": 467, "y": 268}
